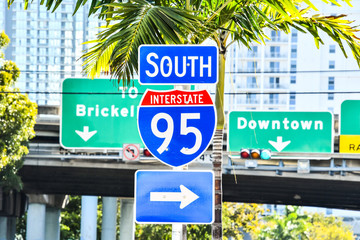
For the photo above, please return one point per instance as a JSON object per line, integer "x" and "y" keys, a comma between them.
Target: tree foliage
{"x": 329, "y": 227}
{"x": 291, "y": 226}
{"x": 237, "y": 218}
{"x": 295, "y": 226}
{"x": 135, "y": 22}
{"x": 17, "y": 120}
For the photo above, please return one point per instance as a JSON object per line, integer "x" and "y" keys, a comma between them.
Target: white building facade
{"x": 46, "y": 46}
{"x": 276, "y": 76}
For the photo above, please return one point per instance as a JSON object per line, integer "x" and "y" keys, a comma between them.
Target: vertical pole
{"x": 52, "y": 225}
{"x": 88, "y": 223}
{"x": 179, "y": 230}
{"x": 127, "y": 226}
{"x": 108, "y": 227}
{"x": 35, "y": 224}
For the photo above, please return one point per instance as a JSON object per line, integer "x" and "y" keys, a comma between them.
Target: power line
{"x": 231, "y": 72}
{"x": 293, "y": 71}
{"x": 228, "y": 93}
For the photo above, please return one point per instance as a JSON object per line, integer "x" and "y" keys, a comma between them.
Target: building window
{"x": 274, "y": 66}
{"x": 294, "y": 35}
{"x": 274, "y": 82}
{"x": 252, "y": 66}
{"x": 332, "y": 49}
{"x": 275, "y": 51}
{"x": 293, "y": 51}
{"x": 274, "y": 98}
{"x": 292, "y": 98}
{"x": 331, "y": 83}
{"x": 293, "y": 66}
{"x": 275, "y": 36}
{"x": 330, "y": 96}
{"x": 293, "y": 79}
{"x": 331, "y": 64}
{"x": 253, "y": 52}
{"x": 251, "y": 98}
{"x": 251, "y": 82}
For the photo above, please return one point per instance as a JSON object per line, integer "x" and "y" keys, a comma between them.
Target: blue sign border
{"x": 155, "y": 106}
{"x": 178, "y": 82}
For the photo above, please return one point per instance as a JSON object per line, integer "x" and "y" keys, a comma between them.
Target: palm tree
{"x": 135, "y": 22}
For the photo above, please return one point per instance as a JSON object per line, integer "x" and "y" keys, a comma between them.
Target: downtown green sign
{"x": 281, "y": 131}
{"x": 100, "y": 113}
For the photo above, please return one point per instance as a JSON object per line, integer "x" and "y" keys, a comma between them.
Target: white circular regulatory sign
{"x": 131, "y": 152}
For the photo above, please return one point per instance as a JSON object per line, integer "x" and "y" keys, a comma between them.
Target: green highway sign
{"x": 100, "y": 114}
{"x": 350, "y": 117}
{"x": 349, "y": 141}
{"x": 288, "y": 131}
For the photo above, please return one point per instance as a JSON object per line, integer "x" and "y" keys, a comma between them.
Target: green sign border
{"x": 273, "y": 138}
{"x": 349, "y": 123}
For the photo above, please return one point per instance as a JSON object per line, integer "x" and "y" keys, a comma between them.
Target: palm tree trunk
{"x": 218, "y": 147}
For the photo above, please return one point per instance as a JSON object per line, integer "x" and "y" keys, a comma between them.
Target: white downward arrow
{"x": 279, "y": 145}
{"x": 185, "y": 196}
{"x": 85, "y": 134}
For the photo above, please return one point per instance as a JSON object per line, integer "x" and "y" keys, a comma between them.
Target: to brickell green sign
{"x": 98, "y": 114}
{"x": 307, "y": 132}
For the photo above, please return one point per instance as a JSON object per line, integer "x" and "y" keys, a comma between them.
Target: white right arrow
{"x": 85, "y": 134}
{"x": 185, "y": 196}
{"x": 279, "y": 145}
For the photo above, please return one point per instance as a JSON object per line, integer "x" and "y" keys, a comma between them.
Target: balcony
{"x": 275, "y": 55}
{"x": 277, "y": 39}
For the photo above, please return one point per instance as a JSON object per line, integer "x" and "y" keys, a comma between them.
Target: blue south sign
{"x": 178, "y": 64}
{"x": 176, "y": 126}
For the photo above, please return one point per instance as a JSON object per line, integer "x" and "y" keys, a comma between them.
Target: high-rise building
{"x": 46, "y": 46}
{"x": 276, "y": 76}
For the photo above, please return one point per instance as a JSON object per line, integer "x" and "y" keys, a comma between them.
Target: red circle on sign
{"x": 127, "y": 149}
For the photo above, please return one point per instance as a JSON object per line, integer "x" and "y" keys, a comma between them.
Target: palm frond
{"x": 133, "y": 24}
{"x": 336, "y": 27}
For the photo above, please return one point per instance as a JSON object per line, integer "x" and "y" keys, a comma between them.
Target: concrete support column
{"x": 127, "y": 225}
{"x": 88, "y": 223}
{"x": 52, "y": 226}
{"x": 35, "y": 223}
{"x": 43, "y": 216}
{"x": 108, "y": 228}
{"x": 7, "y": 228}
{"x": 3, "y": 228}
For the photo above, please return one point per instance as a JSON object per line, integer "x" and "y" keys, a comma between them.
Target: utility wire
{"x": 231, "y": 72}
{"x": 125, "y": 93}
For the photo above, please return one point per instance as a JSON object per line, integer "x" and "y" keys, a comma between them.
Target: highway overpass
{"x": 333, "y": 180}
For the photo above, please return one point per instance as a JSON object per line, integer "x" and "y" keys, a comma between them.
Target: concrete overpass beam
{"x": 88, "y": 223}
{"x": 109, "y": 218}
{"x": 127, "y": 224}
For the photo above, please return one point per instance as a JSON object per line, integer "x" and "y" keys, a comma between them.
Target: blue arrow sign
{"x": 174, "y": 197}
{"x": 176, "y": 126}
{"x": 178, "y": 64}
